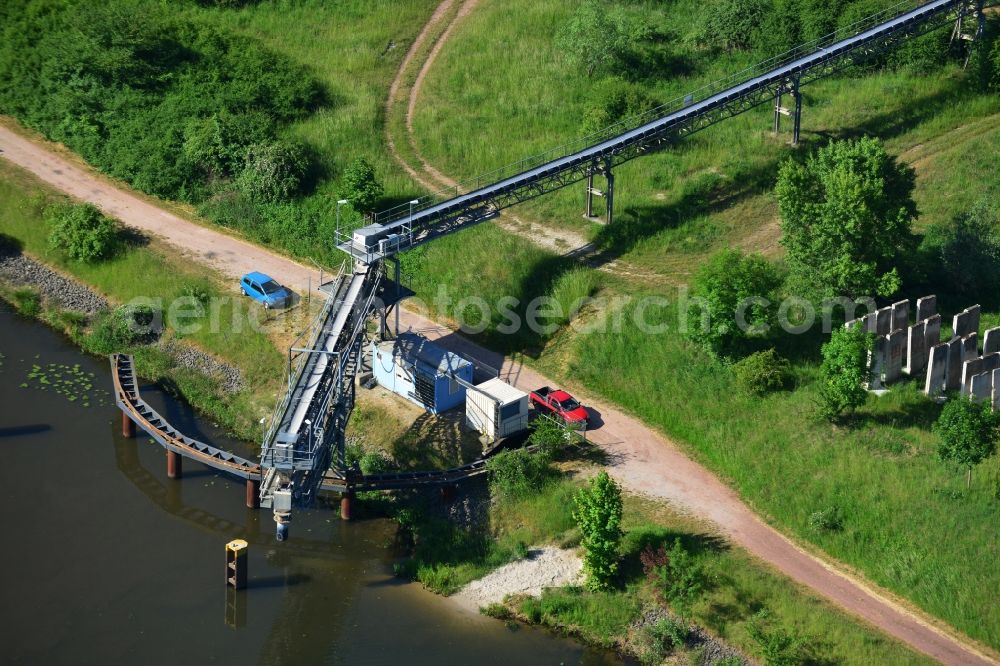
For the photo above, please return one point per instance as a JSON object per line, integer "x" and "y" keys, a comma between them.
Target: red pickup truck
{"x": 561, "y": 404}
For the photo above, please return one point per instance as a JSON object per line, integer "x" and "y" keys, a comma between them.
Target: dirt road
{"x": 642, "y": 459}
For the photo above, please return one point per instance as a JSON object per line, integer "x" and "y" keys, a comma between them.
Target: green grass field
{"x": 909, "y": 523}
{"x": 709, "y": 191}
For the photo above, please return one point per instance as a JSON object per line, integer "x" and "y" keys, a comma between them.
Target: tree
{"x": 598, "y": 514}
{"x": 733, "y": 288}
{"x": 845, "y": 219}
{"x": 678, "y": 577}
{"x": 518, "y": 473}
{"x": 597, "y": 37}
{"x": 274, "y": 172}
{"x": 968, "y": 433}
{"x": 362, "y": 185}
{"x": 82, "y": 232}
{"x": 734, "y": 24}
{"x": 844, "y": 371}
{"x": 967, "y": 253}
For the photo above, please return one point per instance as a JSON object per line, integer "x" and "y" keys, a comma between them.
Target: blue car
{"x": 265, "y": 290}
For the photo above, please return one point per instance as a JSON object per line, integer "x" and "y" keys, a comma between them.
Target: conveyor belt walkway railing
{"x": 472, "y": 201}
{"x": 338, "y": 479}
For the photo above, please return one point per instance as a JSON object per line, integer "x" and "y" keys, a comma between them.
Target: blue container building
{"x": 420, "y": 371}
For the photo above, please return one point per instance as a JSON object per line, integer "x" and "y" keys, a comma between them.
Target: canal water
{"x": 105, "y": 560}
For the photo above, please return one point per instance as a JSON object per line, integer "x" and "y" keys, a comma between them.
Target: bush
{"x": 597, "y": 39}
{"x": 762, "y": 372}
{"x": 598, "y": 514}
{"x": 829, "y": 519}
{"x": 27, "y": 301}
{"x": 274, "y": 172}
{"x": 549, "y": 435}
{"x": 375, "y": 462}
{"x": 218, "y": 144}
{"x": 125, "y": 326}
{"x": 734, "y": 24}
{"x": 198, "y": 291}
{"x": 614, "y": 101}
{"x": 778, "y": 647}
{"x": 734, "y": 295}
{"x": 678, "y": 577}
{"x": 82, "y": 232}
{"x": 362, "y": 185}
{"x": 514, "y": 474}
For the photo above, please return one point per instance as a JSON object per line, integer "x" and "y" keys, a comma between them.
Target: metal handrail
{"x": 292, "y": 374}
{"x": 402, "y": 211}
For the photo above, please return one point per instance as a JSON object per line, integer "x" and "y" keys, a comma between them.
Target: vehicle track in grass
{"x": 640, "y": 457}
{"x": 404, "y": 94}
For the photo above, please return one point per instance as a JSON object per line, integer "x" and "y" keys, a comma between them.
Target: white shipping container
{"x": 496, "y": 409}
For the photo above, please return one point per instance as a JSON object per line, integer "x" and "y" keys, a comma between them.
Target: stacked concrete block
{"x": 975, "y": 314}
{"x": 960, "y": 325}
{"x": 991, "y": 341}
{"x": 900, "y": 316}
{"x": 932, "y": 331}
{"x": 895, "y": 349}
{"x": 877, "y": 360}
{"x": 926, "y": 308}
{"x": 996, "y": 390}
{"x": 970, "y": 369}
{"x": 966, "y": 322}
{"x": 937, "y": 370}
{"x": 954, "y": 364}
{"x": 970, "y": 347}
{"x": 981, "y": 387}
{"x": 883, "y": 321}
{"x": 916, "y": 348}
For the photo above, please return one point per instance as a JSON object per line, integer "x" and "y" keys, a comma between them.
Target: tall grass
{"x": 486, "y": 265}
{"x": 680, "y": 200}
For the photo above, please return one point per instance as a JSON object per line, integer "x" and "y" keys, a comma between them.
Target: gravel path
{"x": 542, "y": 568}
{"x": 642, "y": 458}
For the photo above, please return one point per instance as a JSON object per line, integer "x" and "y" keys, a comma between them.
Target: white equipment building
{"x": 496, "y": 409}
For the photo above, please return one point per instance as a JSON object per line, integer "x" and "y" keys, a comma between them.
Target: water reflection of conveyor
{"x": 299, "y": 608}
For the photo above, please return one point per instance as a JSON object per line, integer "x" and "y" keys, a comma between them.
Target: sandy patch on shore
{"x": 543, "y": 567}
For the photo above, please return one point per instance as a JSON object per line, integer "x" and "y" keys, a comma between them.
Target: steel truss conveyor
{"x": 423, "y": 219}
{"x": 308, "y": 424}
